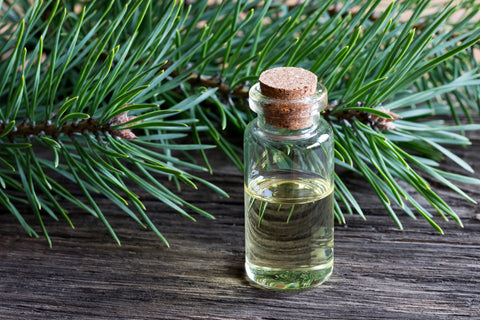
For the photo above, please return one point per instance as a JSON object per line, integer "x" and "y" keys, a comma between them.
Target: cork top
{"x": 289, "y": 94}
{"x": 288, "y": 83}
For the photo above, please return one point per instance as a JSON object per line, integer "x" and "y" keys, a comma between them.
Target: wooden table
{"x": 380, "y": 272}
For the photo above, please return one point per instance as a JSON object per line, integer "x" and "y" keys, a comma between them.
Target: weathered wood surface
{"x": 380, "y": 271}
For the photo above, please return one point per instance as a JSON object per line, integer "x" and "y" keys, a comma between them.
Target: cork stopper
{"x": 287, "y": 86}
{"x": 288, "y": 83}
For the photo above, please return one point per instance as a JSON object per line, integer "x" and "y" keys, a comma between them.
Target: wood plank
{"x": 380, "y": 272}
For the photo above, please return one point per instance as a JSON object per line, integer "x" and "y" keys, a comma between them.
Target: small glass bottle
{"x": 289, "y": 184}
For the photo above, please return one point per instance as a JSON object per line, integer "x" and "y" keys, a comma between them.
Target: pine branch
{"x": 80, "y": 81}
{"x": 374, "y": 63}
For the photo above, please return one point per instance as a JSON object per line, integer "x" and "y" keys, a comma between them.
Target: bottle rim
{"x": 257, "y": 100}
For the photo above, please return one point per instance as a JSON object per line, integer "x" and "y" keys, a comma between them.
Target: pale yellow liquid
{"x": 289, "y": 230}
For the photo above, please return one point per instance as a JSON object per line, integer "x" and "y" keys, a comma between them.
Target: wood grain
{"x": 380, "y": 272}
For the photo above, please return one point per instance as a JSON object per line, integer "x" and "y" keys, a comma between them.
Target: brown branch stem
{"x": 47, "y": 128}
{"x": 241, "y": 92}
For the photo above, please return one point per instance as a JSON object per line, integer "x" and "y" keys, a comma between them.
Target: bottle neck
{"x": 268, "y": 127}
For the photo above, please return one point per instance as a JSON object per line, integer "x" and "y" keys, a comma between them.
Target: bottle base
{"x": 289, "y": 279}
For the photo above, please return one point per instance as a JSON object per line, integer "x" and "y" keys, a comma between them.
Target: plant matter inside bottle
{"x": 289, "y": 230}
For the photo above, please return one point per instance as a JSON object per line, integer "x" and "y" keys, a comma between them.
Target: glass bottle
{"x": 288, "y": 185}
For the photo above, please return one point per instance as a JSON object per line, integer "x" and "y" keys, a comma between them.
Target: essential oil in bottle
{"x": 288, "y": 182}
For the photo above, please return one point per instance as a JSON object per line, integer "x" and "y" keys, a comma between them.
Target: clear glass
{"x": 288, "y": 197}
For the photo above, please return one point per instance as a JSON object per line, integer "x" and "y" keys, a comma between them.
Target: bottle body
{"x": 288, "y": 204}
